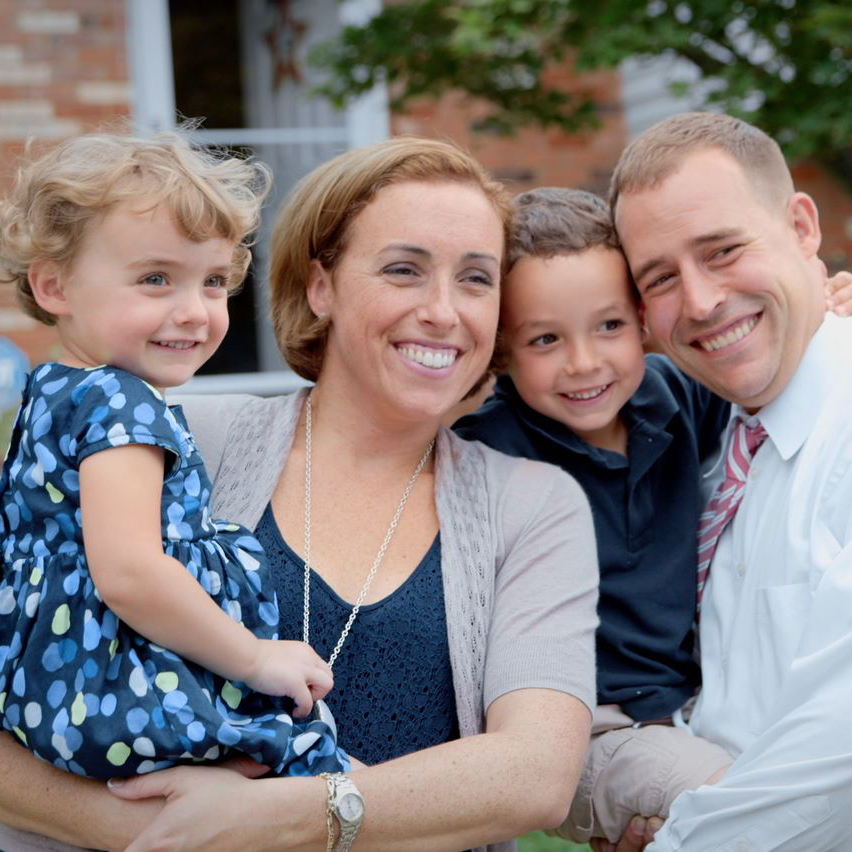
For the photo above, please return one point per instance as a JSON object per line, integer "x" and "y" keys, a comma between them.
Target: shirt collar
{"x": 651, "y": 408}
{"x": 653, "y": 403}
{"x": 791, "y": 416}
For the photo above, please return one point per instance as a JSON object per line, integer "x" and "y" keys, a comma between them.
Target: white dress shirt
{"x": 776, "y": 630}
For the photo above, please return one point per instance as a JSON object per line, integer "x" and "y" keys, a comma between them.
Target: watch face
{"x": 350, "y": 807}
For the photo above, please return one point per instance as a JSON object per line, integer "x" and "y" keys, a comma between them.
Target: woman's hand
{"x": 209, "y": 808}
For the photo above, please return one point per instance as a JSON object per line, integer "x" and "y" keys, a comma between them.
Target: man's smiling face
{"x": 731, "y": 281}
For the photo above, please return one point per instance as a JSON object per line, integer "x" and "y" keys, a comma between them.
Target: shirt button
{"x": 742, "y": 846}
{"x": 741, "y": 569}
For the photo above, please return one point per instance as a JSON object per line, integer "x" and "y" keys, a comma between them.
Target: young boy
{"x": 581, "y": 394}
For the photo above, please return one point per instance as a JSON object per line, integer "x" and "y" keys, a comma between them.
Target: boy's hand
{"x": 838, "y": 294}
{"x": 638, "y": 834}
{"x": 293, "y": 669}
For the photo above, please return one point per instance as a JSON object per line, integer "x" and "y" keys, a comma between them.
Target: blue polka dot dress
{"x": 78, "y": 687}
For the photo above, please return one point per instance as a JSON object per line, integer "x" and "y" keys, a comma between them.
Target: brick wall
{"x": 835, "y": 213}
{"x": 532, "y": 158}
{"x": 63, "y": 70}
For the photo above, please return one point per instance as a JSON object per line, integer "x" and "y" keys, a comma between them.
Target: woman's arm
{"x": 38, "y": 797}
{"x": 120, "y": 497}
{"x": 517, "y": 777}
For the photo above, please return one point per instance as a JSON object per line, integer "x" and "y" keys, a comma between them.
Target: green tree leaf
{"x": 785, "y": 65}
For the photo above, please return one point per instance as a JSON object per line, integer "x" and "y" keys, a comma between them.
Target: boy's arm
{"x": 789, "y": 789}
{"x": 838, "y": 294}
{"x": 120, "y": 496}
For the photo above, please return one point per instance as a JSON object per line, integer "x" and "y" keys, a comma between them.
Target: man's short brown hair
{"x": 660, "y": 150}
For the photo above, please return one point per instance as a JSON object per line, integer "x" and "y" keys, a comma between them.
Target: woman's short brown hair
{"x": 315, "y": 221}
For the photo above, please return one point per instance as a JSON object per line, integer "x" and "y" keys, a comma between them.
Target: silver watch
{"x": 347, "y": 804}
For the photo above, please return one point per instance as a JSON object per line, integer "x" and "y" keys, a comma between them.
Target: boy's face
{"x": 574, "y": 337}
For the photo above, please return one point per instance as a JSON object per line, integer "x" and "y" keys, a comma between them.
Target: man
{"x": 724, "y": 252}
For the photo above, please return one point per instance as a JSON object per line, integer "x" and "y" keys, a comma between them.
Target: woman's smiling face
{"x": 413, "y": 301}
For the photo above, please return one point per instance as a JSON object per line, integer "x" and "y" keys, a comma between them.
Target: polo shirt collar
{"x": 653, "y": 403}
{"x": 650, "y": 409}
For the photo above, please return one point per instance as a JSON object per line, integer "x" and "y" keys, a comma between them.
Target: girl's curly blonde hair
{"x": 57, "y": 195}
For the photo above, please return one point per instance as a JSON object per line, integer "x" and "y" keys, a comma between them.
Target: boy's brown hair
{"x": 549, "y": 221}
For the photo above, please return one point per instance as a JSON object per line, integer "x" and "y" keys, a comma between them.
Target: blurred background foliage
{"x": 785, "y": 65}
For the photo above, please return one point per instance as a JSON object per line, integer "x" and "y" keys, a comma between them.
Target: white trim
{"x": 368, "y": 117}
{"x": 270, "y": 135}
{"x": 646, "y": 90}
{"x": 269, "y": 383}
{"x": 149, "y": 47}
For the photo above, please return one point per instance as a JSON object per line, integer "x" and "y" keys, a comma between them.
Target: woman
{"x": 475, "y": 641}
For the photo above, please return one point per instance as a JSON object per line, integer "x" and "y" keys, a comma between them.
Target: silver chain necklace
{"x": 306, "y": 612}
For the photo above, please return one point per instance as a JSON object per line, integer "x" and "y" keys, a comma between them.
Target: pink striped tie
{"x": 745, "y": 442}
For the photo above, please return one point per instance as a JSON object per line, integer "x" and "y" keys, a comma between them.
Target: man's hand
{"x": 638, "y": 834}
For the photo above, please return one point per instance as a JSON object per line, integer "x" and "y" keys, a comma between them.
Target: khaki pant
{"x": 632, "y": 771}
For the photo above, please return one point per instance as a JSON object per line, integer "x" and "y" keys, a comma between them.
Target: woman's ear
{"x": 320, "y": 289}
{"x": 47, "y": 281}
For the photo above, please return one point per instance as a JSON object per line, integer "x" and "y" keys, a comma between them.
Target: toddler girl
{"x": 135, "y": 631}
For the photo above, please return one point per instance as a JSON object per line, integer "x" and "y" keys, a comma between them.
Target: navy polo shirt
{"x": 645, "y": 507}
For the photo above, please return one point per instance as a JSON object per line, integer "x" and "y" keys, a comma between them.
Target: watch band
{"x": 345, "y": 806}
{"x": 329, "y": 809}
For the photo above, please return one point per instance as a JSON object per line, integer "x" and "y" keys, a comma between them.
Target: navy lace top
{"x": 393, "y": 686}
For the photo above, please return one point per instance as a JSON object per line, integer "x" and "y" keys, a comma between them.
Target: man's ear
{"x": 320, "y": 289}
{"x": 47, "y": 281}
{"x": 803, "y": 217}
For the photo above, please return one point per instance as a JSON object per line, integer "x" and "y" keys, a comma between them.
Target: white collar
{"x": 791, "y": 416}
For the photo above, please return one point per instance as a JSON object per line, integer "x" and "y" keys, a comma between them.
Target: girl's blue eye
{"x": 216, "y": 282}
{"x": 156, "y": 279}
{"x": 612, "y": 325}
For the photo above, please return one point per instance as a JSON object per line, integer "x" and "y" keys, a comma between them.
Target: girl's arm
{"x": 120, "y": 496}
{"x": 517, "y": 777}
{"x": 38, "y": 797}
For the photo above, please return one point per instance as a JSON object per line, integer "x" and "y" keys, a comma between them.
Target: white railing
{"x": 260, "y": 384}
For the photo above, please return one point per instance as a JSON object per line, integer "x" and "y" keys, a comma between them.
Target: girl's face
{"x": 414, "y": 299}
{"x": 142, "y": 296}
